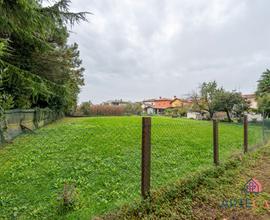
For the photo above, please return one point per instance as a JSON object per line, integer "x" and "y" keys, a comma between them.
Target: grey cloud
{"x": 142, "y": 49}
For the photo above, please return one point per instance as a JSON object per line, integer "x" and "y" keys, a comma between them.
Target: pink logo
{"x": 253, "y": 186}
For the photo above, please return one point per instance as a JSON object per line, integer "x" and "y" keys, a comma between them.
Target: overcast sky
{"x": 138, "y": 49}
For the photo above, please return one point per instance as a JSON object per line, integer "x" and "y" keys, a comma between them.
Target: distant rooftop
{"x": 165, "y": 99}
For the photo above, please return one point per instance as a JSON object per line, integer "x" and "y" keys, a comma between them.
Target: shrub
{"x": 107, "y": 110}
{"x": 86, "y": 109}
{"x": 181, "y": 112}
{"x": 133, "y": 108}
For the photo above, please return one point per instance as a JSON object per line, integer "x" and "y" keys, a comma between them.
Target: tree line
{"x": 38, "y": 68}
{"x": 212, "y": 99}
{"x": 88, "y": 109}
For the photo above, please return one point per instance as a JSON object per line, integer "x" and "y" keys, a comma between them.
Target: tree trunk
{"x": 228, "y": 116}
{"x": 211, "y": 115}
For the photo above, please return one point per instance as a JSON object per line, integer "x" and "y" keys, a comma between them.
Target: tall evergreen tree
{"x": 35, "y": 55}
{"x": 263, "y": 93}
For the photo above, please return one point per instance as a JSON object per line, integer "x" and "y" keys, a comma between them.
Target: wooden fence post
{"x": 146, "y": 157}
{"x": 245, "y": 134}
{"x": 215, "y": 142}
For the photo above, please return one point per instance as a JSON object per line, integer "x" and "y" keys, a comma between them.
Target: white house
{"x": 149, "y": 110}
{"x": 194, "y": 115}
{"x": 251, "y": 99}
{"x": 255, "y": 117}
{"x": 147, "y": 105}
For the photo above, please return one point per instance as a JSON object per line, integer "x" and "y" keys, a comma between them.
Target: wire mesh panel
{"x": 255, "y": 134}
{"x": 266, "y": 129}
{"x": 179, "y": 146}
{"x": 231, "y": 140}
{"x": 101, "y": 157}
{"x": 115, "y": 155}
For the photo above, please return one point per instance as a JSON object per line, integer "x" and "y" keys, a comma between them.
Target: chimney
{"x": 174, "y": 97}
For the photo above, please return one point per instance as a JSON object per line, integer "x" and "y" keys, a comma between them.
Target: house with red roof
{"x": 158, "y": 106}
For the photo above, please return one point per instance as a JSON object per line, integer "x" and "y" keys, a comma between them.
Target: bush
{"x": 133, "y": 108}
{"x": 107, "y": 110}
{"x": 86, "y": 109}
{"x": 176, "y": 112}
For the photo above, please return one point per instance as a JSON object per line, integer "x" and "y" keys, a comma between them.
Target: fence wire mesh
{"x": 102, "y": 157}
{"x": 266, "y": 130}
{"x": 258, "y": 133}
{"x": 179, "y": 146}
{"x": 182, "y": 146}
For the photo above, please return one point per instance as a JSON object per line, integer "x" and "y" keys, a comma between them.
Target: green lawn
{"x": 101, "y": 156}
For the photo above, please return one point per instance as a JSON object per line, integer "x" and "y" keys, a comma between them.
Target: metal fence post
{"x": 215, "y": 142}
{"x": 245, "y": 134}
{"x": 146, "y": 157}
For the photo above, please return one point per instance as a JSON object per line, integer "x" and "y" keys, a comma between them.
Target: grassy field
{"x": 101, "y": 156}
{"x": 216, "y": 193}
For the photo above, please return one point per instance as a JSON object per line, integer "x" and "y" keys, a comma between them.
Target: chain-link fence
{"x": 100, "y": 156}
{"x": 182, "y": 146}
{"x": 258, "y": 133}
{"x": 104, "y": 157}
{"x": 179, "y": 146}
{"x": 14, "y": 122}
